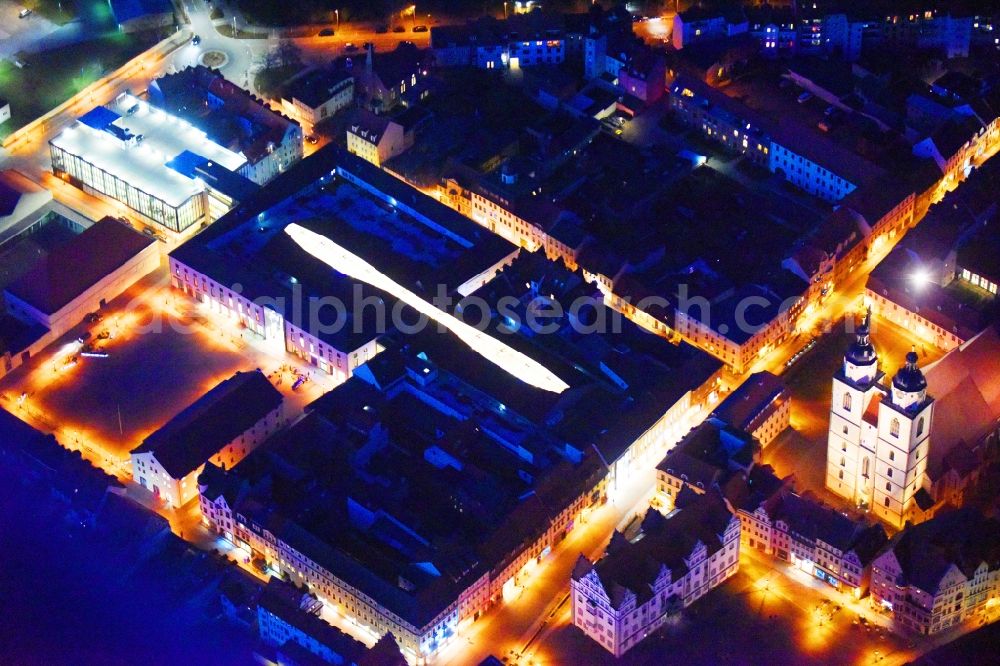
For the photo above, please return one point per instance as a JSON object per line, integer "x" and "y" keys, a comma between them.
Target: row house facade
{"x": 940, "y": 573}
{"x": 638, "y": 586}
{"x": 292, "y": 552}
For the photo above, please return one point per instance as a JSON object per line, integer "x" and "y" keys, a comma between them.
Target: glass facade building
{"x": 174, "y": 217}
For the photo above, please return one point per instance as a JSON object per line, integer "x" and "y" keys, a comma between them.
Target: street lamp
{"x": 337, "y": 12}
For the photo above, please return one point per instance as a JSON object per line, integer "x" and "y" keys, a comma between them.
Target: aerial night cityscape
{"x": 484, "y": 333}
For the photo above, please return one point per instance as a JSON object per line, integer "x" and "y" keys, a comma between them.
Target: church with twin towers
{"x": 879, "y": 436}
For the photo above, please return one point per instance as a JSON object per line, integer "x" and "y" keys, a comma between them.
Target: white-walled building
{"x": 939, "y": 573}
{"x": 82, "y": 275}
{"x": 376, "y": 138}
{"x": 221, "y": 427}
{"x": 761, "y": 406}
{"x": 230, "y": 116}
{"x": 149, "y": 160}
{"x": 817, "y": 539}
{"x": 675, "y": 560}
{"x": 315, "y": 95}
{"x": 878, "y": 442}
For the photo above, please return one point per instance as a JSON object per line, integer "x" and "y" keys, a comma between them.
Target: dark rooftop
{"x": 963, "y": 538}
{"x": 211, "y": 422}
{"x": 73, "y": 268}
{"x": 746, "y": 403}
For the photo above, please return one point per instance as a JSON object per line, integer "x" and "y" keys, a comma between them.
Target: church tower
{"x": 852, "y": 437}
{"x": 904, "y": 426}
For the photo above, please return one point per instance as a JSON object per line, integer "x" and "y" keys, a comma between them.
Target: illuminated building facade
{"x": 81, "y": 276}
{"x": 761, "y": 406}
{"x": 275, "y": 291}
{"x": 640, "y": 584}
{"x": 879, "y": 438}
{"x": 230, "y": 116}
{"x": 939, "y": 573}
{"x": 221, "y": 427}
{"x": 815, "y": 538}
{"x": 434, "y": 422}
{"x": 160, "y": 166}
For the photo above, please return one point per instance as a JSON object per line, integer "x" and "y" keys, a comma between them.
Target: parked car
{"x": 24, "y": 13}
{"x": 196, "y": 40}
{"x": 399, "y": 28}
{"x": 350, "y": 46}
{"x": 381, "y": 29}
{"x": 83, "y": 337}
{"x": 313, "y": 139}
{"x": 420, "y": 28}
{"x": 367, "y": 45}
{"x": 805, "y": 97}
{"x": 326, "y": 32}
{"x": 93, "y": 317}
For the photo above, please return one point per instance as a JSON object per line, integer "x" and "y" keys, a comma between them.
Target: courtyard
{"x": 163, "y": 353}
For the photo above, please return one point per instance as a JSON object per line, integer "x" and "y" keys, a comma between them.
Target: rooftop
{"x": 666, "y": 542}
{"x": 429, "y": 478}
{"x": 74, "y": 267}
{"x": 127, "y": 10}
{"x": 316, "y": 86}
{"x": 962, "y": 538}
{"x": 214, "y": 420}
{"x": 285, "y": 602}
{"x": 134, "y": 141}
{"x": 742, "y": 407}
{"x": 229, "y": 115}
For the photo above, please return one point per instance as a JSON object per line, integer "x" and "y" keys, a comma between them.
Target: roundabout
{"x": 213, "y": 58}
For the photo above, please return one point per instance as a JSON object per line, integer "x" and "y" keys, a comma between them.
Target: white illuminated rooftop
{"x": 506, "y": 358}
{"x": 143, "y": 163}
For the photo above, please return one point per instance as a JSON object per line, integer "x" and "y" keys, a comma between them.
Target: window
{"x": 894, "y": 427}
{"x": 847, "y": 402}
{"x": 887, "y": 501}
{"x": 864, "y": 467}
{"x": 892, "y": 455}
{"x": 920, "y": 426}
{"x": 888, "y": 487}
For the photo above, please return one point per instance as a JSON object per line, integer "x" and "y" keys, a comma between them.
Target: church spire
{"x": 861, "y": 361}
{"x": 909, "y": 387}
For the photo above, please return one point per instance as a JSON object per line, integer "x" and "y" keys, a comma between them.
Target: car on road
{"x": 313, "y": 139}
{"x": 196, "y": 40}
{"x": 326, "y": 32}
{"x": 399, "y": 28}
{"x": 24, "y": 13}
{"x": 350, "y": 46}
{"x": 93, "y": 317}
{"x": 805, "y": 97}
{"x": 83, "y": 337}
{"x": 420, "y": 28}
